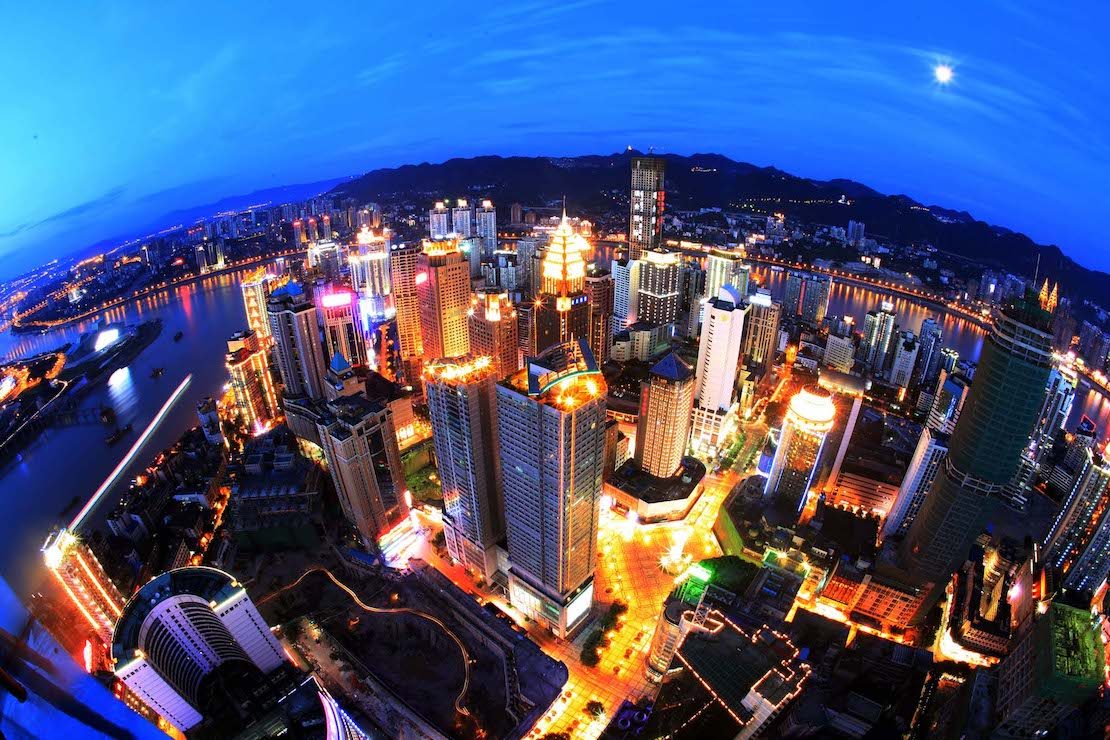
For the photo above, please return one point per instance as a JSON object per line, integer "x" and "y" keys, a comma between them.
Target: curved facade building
{"x": 809, "y": 417}
{"x": 178, "y": 630}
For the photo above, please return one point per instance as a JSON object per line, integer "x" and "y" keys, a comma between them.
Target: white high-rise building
{"x": 551, "y": 429}
{"x": 809, "y": 418}
{"x": 485, "y": 227}
{"x": 840, "y": 353}
{"x": 948, "y": 401}
{"x": 180, "y": 628}
{"x": 296, "y": 335}
{"x": 905, "y": 359}
{"x": 726, "y": 267}
{"x": 718, "y": 361}
{"x": 878, "y": 333}
{"x": 439, "y": 221}
{"x": 460, "y": 218}
{"x": 932, "y": 448}
{"x": 1078, "y": 545}
{"x": 626, "y": 295}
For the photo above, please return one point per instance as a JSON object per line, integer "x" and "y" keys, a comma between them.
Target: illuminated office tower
{"x": 460, "y": 219}
{"x": 364, "y": 218}
{"x": 761, "y": 330}
{"x": 369, "y": 263}
{"x": 202, "y": 259}
{"x": 492, "y": 325}
{"x": 462, "y": 405}
{"x": 82, "y": 577}
{"x": 296, "y": 335}
{"x": 626, "y": 295}
{"x": 928, "y": 456}
{"x": 906, "y": 348}
{"x": 666, "y": 408}
{"x": 312, "y": 230}
{"x": 948, "y": 401}
{"x": 815, "y": 299}
{"x": 326, "y": 257}
{"x": 485, "y": 226}
{"x": 248, "y": 367}
{"x": 928, "y": 358}
{"x": 599, "y": 286}
{"x": 525, "y": 252}
{"x": 471, "y": 247}
{"x": 439, "y": 221}
{"x": 1078, "y": 545}
{"x": 443, "y": 293}
{"x": 551, "y": 429}
{"x": 658, "y": 287}
{"x": 795, "y": 286}
{"x": 185, "y": 637}
{"x": 256, "y": 287}
{"x": 325, "y": 227}
{"x": 878, "y": 333}
{"x": 718, "y": 361}
{"x": 1055, "y": 667}
{"x": 562, "y": 305}
{"x": 298, "y": 233}
{"x": 809, "y": 418}
{"x": 360, "y": 445}
{"x": 645, "y": 208}
{"x": 726, "y": 267}
{"x": 406, "y": 301}
{"x": 994, "y": 427}
{"x": 342, "y": 332}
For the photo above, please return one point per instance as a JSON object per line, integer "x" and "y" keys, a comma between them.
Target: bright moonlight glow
{"x": 943, "y": 73}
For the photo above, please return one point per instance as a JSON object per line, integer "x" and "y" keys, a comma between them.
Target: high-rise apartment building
{"x": 342, "y": 328}
{"x": 180, "y": 630}
{"x": 815, "y": 299}
{"x": 439, "y": 221}
{"x": 809, "y": 418}
{"x": 492, "y": 326}
{"x": 878, "y": 334}
{"x": 257, "y": 286}
{"x": 856, "y": 231}
{"x": 360, "y": 446}
{"x": 369, "y": 263}
{"x": 1078, "y": 545}
{"x": 406, "y": 301}
{"x": 666, "y": 408}
{"x": 462, "y": 405}
{"x": 626, "y": 294}
{"x": 726, "y": 267}
{"x": 993, "y": 429}
{"x": 296, "y": 335}
{"x": 248, "y": 367}
{"x": 840, "y": 352}
{"x": 761, "y": 330}
{"x": 443, "y": 291}
{"x": 551, "y": 428}
{"x": 718, "y": 362}
{"x": 795, "y": 286}
{"x": 600, "y": 288}
{"x": 562, "y": 310}
{"x": 948, "y": 401}
{"x": 928, "y": 456}
{"x": 645, "y": 210}
{"x": 906, "y": 349}
{"x": 929, "y": 356}
{"x": 460, "y": 219}
{"x": 485, "y": 227}
{"x": 658, "y": 288}
{"x": 90, "y": 591}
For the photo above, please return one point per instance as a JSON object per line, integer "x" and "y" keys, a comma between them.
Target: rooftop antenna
{"x": 1037, "y": 270}
{"x": 564, "y": 206}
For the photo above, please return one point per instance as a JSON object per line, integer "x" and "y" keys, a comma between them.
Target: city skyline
{"x": 1003, "y": 120}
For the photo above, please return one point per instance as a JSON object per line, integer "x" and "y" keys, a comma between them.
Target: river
{"x": 73, "y": 461}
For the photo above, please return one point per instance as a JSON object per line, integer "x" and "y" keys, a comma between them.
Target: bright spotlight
{"x": 943, "y": 73}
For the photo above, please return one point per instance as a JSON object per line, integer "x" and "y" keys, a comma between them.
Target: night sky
{"x": 117, "y": 114}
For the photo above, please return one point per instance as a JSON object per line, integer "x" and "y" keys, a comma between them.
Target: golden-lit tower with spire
{"x": 562, "y": 306}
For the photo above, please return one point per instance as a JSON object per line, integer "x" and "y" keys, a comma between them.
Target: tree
{"x": 595, "y": 708}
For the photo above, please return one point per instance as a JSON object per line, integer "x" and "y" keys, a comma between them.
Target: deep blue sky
{"x": 113, "y": 114}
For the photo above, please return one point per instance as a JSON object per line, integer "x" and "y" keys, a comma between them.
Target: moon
{"x": 943, "y": 73}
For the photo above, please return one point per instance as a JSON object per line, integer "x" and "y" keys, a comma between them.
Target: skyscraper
{"x": 492, "y": 326}
{"x": 600, "y": 288}
{"x": 485, "y": 227}
{"x": 761, "y": 330}
{"x": 402, "y": 271}
{"x": 182, "y": 629}
{"x": 296, "y": 335}
{"x": 626, "y": 294}
{"x": 645, "y": 209}
{"x": 342, "y": 327}
{"x": 463, "y": 409}
{"x": 249, "y": 370}
{"x": 443, "y": 290}
{"x": 726, "y": 267}
{"x": 815, "y": 299}
{"x": 906, "y": 349}
{"x": 666, "y": 407}
{"x": 360, "y": 446}
{"x": 986, "y": 446}
{"x": 369, "y": 263}
{"x": 878, "y": 333}
{"x": 562, "y": 305}
{"x": 658, "y": 287}
{"x": 1078, "y": 545}
{"x": 439, "y": 221}
{"x": 91, "y": 592}
{"x": 856, "y": 231}
{"x": 257, "y": 286}
{"x": 551, "y": 427}
{"x": 929, "y": 356}
{"x": 948, "y": 402}
{"x": 460, "y": 219}
{"x": 928, "y": 456}
{"x": 809, "y": 418}
{"x": 718, "y": 361}
{"x": 795, "y": 286}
